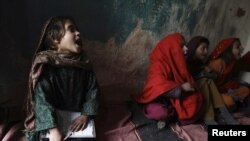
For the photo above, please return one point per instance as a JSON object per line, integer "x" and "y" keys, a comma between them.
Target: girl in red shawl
{"x": 222, "y": 61}
{"x": 168, "y": 78}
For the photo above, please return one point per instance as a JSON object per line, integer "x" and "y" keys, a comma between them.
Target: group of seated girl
{"x": 200, "y": 88}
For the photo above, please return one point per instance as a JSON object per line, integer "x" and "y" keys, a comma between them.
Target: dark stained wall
{"x": 119, "y": 34}
{"x": 13, "y": 41}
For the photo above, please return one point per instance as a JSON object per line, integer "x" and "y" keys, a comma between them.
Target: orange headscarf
{"x": 168, "y": 70}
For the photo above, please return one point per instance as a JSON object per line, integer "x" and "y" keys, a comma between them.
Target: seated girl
{"x": 213, "y": 102}
{"x": 169, "y": 84}
{"x": 222, "y": 61}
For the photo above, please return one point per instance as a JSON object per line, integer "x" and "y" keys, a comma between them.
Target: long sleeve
{"x": 44, "y": 111}
{"x": 205, "y": 74}
{"x": 217, "y": 66}
{"x": 174, "y": 93}
{"x": 90, "y": 107}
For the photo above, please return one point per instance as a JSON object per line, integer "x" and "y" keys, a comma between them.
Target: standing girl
{"x": 60, "y": 78}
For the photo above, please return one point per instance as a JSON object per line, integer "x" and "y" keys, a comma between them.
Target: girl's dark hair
{"x": 228, "y": 54}
{"x": 193, "y": 44}
{"x": 55, "y": 31}
{"x": 195, "y": 65}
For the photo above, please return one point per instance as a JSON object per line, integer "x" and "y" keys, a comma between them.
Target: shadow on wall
{"x": 121, "y": 71}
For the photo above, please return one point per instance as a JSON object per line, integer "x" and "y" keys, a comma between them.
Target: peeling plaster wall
{"x": 120, "y": 34}
{"x": 225, "y": 18}
{"x": 124, "y": 65}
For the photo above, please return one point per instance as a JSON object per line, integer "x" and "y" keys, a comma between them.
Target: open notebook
{"x": 64, "y": 120}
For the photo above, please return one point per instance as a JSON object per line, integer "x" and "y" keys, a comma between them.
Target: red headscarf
{"x": 220, "y": 48}
{"x": 168, "y": 70}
